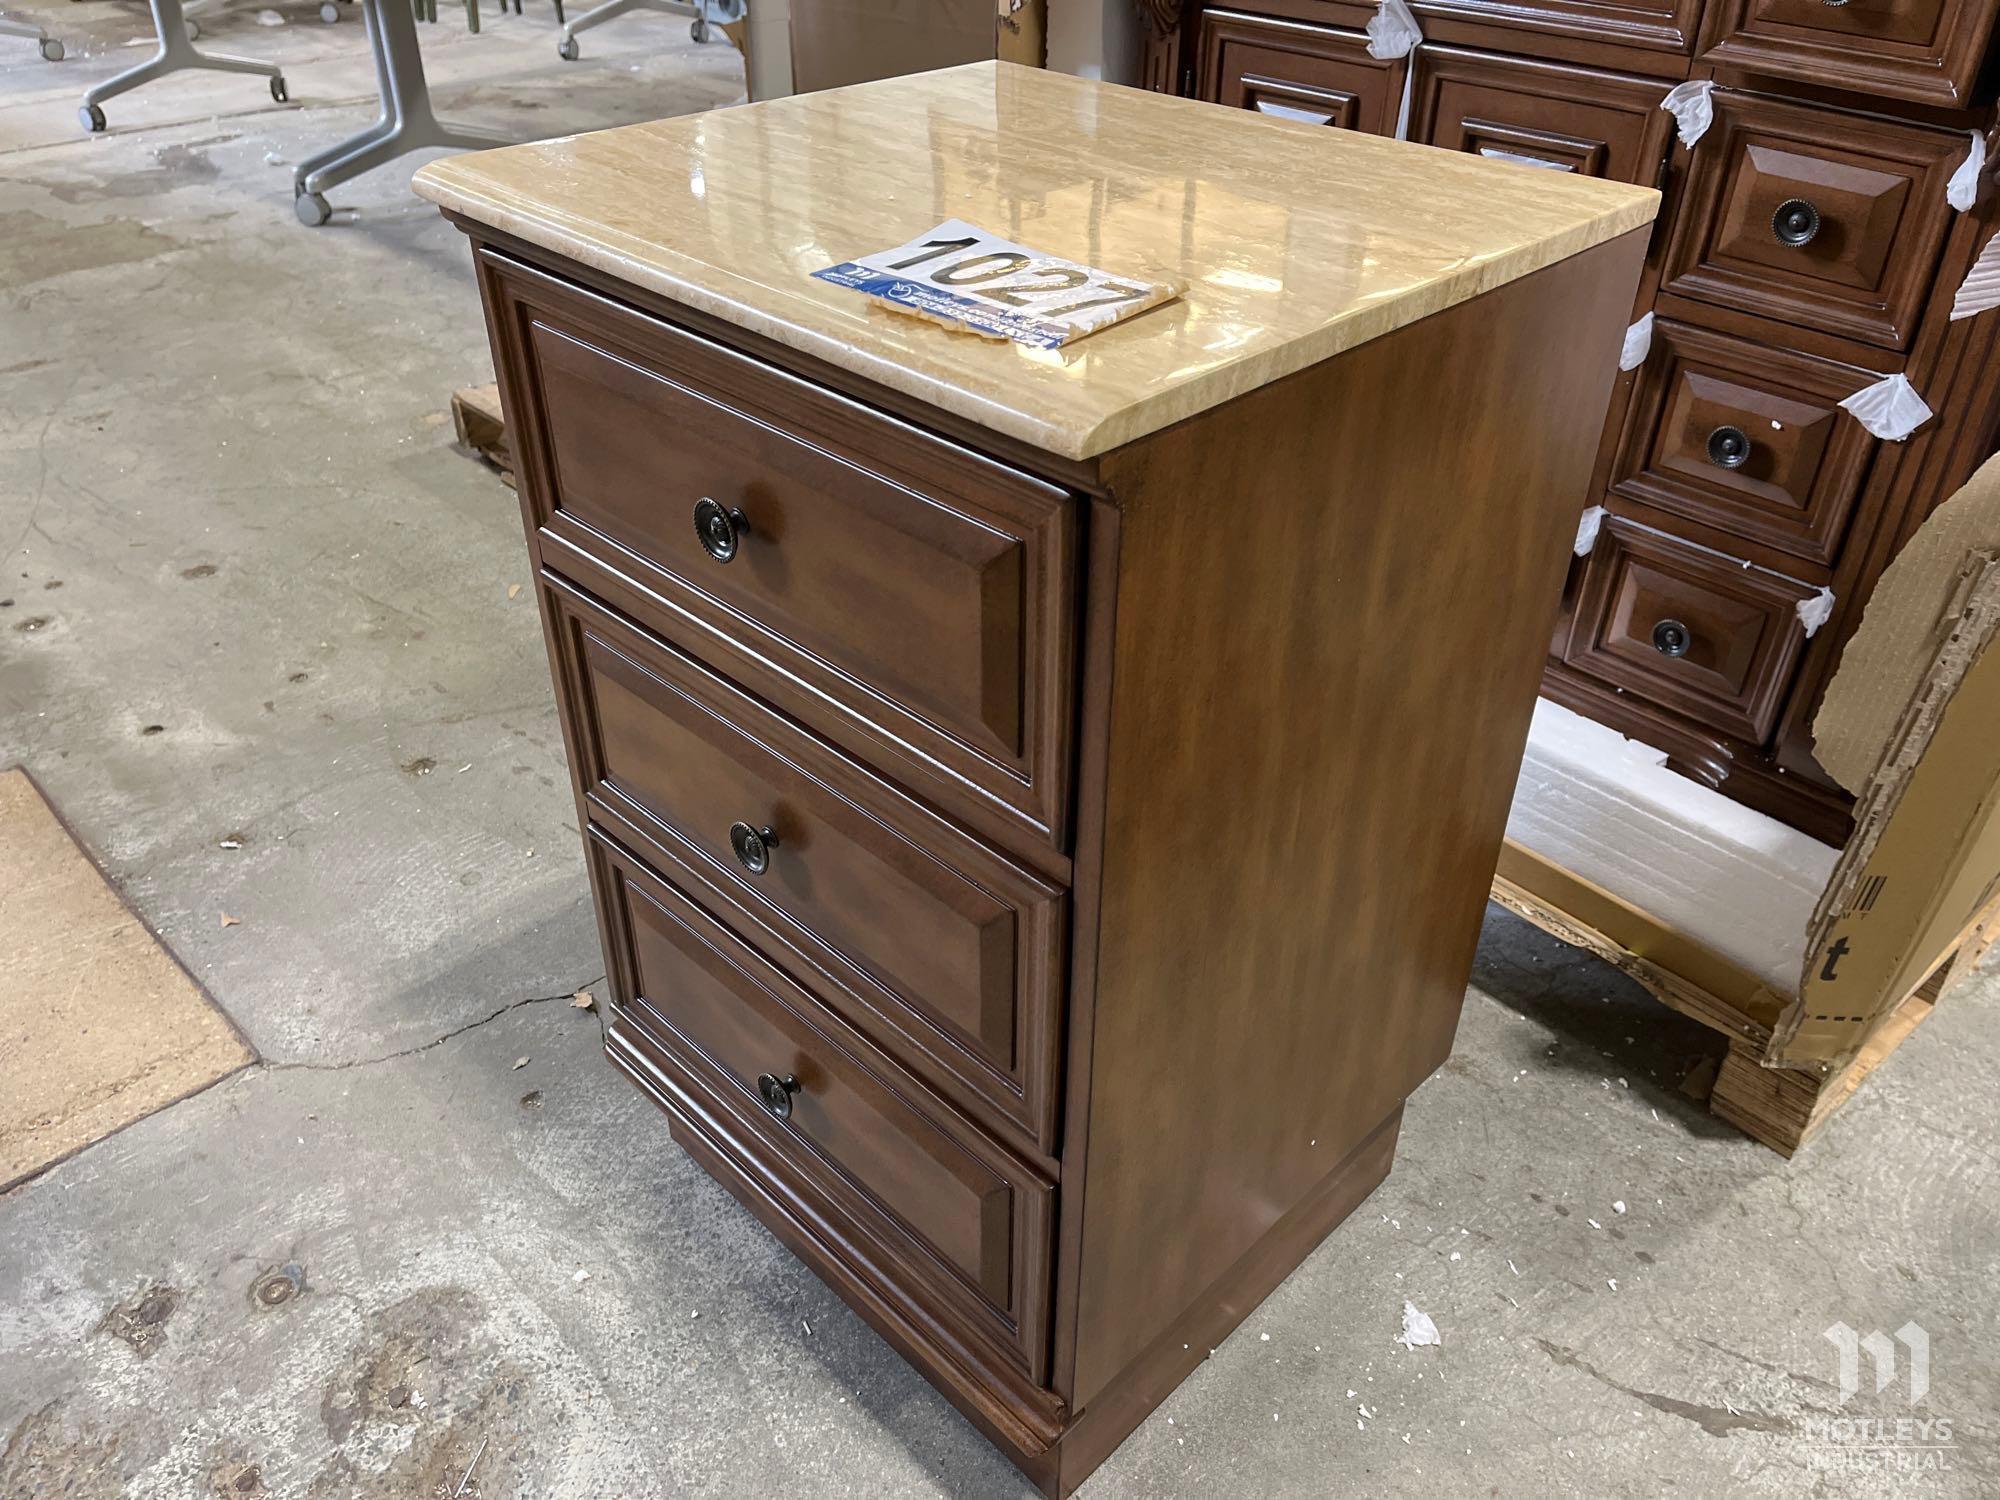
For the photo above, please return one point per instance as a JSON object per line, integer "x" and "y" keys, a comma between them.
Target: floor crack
{"x": 270, "y": 1065}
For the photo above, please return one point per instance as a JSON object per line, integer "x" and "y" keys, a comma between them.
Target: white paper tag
{"x": 1890, "y": 408}
{"x": 1816, "y": 611}
{"x": 1638, "y": 344}
{"x": 964, "y": 277}
{"x": 1587, "y": 526}
{"x": 1692, "y": 108}
{"x": 1980, "y": 291}
{"x": 1963, "y": 189}
{"x": 1393, "y": 31}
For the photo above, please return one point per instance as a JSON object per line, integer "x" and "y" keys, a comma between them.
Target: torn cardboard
{"x": 1910, "y": 724}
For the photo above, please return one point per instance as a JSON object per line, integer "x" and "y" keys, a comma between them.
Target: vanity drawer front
{"x": 1926, "y": 51}
{"x": 946, "y": 1211}
{"x": 1541, "y": 114}
{"x": 900, "y": 592}
{"x": 1288, "y": 70}
{"x": 1816, "y": 217}
{"x": 1747, "y": 439}
{"x": 943, "y": 952}
{"x": 1689, "y": 630}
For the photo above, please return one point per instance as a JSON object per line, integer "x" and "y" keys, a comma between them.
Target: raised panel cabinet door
{"x": 1817, "y": 217}
{"x": 1747, "y": 439}
{"x": 954, "y": 1212}
{"x": 1689, "y": 629}
{"x": 1925, "y": 51}
{"x": 1541, "y": 114}
{"x": 947, "y": 952}
{"x": 1287, "y": 70}
{"x": 880, "y": 582}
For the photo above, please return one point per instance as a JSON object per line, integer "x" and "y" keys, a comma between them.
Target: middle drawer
{"x": 924, "y": 939}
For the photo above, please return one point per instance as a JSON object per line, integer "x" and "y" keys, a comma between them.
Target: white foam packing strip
{"x": 1693, "y": 108}
{"x": 1962, "y": 191}
{"x": 1890, "y": 408}
{"x": 1638, "y": 344}
{"x": 1392, "y": 33}
{"x": 1980, "y": 291}
{"x": 1608, "y": 809}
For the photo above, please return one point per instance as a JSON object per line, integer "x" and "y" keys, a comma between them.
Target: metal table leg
{"x": 406, "y": 121}
{"x": 176, "y": 54}
{"x": 52, "y": 49}
{"x": 611, "y": 10}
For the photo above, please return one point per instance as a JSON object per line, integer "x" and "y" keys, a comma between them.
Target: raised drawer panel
{"x": 1812, "y": 216}
{"x": 949, "y": 1212}
{"x": 1288, "y": 70}
{"x": 1747, "y": 439}
{"x": 1690, "y": 630}
{"x": 1660, "y": 26}
{"x": 1541, "y": 114}
{"x": 1925, "y": 51}
{"x": 918, "y": 600}
{"x": 942, "y": 951}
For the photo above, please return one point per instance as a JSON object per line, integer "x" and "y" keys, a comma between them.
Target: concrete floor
{"x": 252, "y": 592}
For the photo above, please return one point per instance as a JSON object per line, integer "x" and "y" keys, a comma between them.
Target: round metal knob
{"x": 1671, "y": 638}
{"x": 720, "y": 529}
{"x": 776, "y": 1091}
{"x": 1795, "y": 222}
{"x": 753, "y": 846}
{"x": 1729, "y": 447}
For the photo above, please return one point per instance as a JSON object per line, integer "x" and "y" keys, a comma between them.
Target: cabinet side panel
{"x": 1334, "y": 597}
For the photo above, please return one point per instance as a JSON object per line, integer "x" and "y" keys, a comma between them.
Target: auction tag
{"x": 966, "y": 278}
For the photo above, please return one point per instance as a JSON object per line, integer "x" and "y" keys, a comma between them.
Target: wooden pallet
{"x": 481, "y": 428}
{"x": 1781, "y": 1107}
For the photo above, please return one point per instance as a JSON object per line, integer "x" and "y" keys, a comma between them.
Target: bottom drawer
{"x": 943, "y": 1217}
{"x": 1688, "y": 629}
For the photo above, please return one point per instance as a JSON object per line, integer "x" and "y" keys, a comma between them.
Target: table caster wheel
{"x": 329, "y": 12}
{"x": 312, "y": 208}
{"x": 52, "y": 50}
{"x": 699, "y": 30}
{"x": 568, "y": 50}
{"x": 92, "y": 118}
{"x": 278, "y": 91}
{"x": 193, "y": 29}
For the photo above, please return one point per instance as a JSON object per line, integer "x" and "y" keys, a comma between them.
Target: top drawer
{"x": 1926, "y": 51}
{"x": 1291, "y": 71}
{"x": 890, "y": 587}
{"x": 1816, "y": 217}
{"x": 1541, "y": 114}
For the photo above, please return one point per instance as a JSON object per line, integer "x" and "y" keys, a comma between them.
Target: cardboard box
{"x": 1705, "y": 902}
{"x": 838, "y": 42}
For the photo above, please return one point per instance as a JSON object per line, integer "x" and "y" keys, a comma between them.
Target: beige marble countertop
{"x": 1292, "y": 242}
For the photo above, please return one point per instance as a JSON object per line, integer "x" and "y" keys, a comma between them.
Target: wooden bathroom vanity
{"x": 1040, "y": 804}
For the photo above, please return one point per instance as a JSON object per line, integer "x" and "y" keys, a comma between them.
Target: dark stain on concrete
{"x": 42, "y": 1457}
{"x": 34, "y": 623}
{"x": 35, "y": 248}
{"x": 181, "y": 165}
{"x": 410, "y": 1347}
{"x": 199, "y": 570}
{"x": 423, "y": 765}
{"x": 235, "y": 1478}
{"x": 141, "y": 1320}
{"x": 1716, "y": 1421}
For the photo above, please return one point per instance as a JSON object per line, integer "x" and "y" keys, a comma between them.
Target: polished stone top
{"x": 1291, "y": 242}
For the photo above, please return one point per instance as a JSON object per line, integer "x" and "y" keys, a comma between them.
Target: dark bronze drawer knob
{"x": 1795, "y": 222}
{"x": 776, "y": 1091}
{"x": 753, "y": 846}
{"x": 720, "y": 529}
{"x": 1729, "y": 447}
{"x": 1671, "y": 638}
